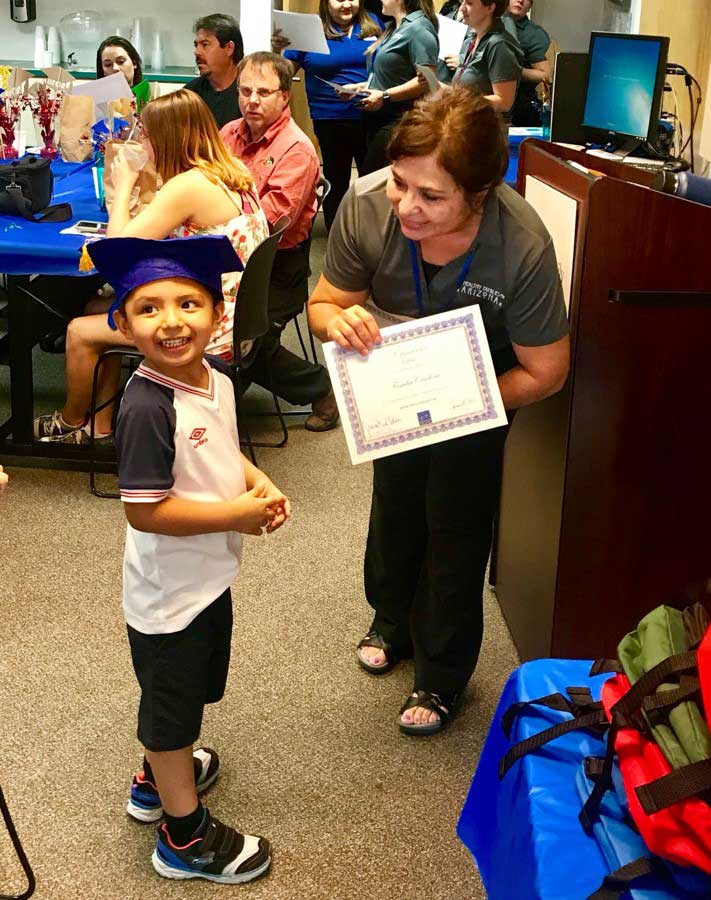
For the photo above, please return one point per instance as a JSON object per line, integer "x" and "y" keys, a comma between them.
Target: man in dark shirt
{"x": 534, "y": 43}
{"x": 218, "y": 52}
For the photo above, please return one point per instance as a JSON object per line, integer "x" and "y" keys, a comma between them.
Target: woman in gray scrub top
{"x": 409, "y": 40}
{"x": 436, "y": 231}
{"x": 490, "y": 58}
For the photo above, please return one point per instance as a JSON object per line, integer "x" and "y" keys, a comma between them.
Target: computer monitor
{"x": 624, "y": 86}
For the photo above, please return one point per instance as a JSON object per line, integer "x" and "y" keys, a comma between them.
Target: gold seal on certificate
{"x": 430, "y": 380}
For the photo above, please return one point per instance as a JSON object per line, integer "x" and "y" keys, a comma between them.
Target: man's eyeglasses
{"x": 246, "y": 92}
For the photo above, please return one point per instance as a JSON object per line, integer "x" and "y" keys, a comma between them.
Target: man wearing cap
{"x": 536, "y": 69}
{"x": 218, "y": 52}
{"x": 286, "y": 169}
{"x": 189, "y": 494}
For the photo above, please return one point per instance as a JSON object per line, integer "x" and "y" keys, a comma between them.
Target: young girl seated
{"x": 205, "y": 191}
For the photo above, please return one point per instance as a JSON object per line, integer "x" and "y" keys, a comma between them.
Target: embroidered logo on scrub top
{"x": 198, "y": 436}
{"x": 481, "y": 292}
{"x": 268, "y": 161}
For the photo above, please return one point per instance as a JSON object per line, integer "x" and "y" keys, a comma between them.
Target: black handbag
{"x": 26, "y": 190}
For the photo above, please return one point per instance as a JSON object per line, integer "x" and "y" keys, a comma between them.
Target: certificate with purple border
{"x": 430, "y": 380}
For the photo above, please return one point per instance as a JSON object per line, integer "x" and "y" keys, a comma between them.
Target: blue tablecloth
{"x": 39, "y": 247}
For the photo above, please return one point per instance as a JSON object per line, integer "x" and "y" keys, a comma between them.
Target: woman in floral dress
{"x": 205, "y": 191}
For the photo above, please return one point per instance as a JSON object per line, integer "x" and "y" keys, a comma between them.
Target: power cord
{"x": 689, "y": 81}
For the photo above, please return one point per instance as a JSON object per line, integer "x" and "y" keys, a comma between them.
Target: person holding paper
{"x": 349, "y": 32}
{"x": 438, "y": 231}
{"x": 116, "y": 54}
{"x": 534, "y": 42}
{"x": 409, "y": 40}
{"x": 490, "y": 59}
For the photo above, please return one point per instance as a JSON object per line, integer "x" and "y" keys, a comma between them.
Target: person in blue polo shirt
{"x": 349, "y": 31}
{"x": 189, "y": 494}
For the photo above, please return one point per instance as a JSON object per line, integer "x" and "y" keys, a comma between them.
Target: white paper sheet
{"x": 559, "y": 214}
{"x": 451, "y": 34}
{"x": 304, "y": 31}
{"x": 430, "y": 380}
{"x": 103, "y": 90}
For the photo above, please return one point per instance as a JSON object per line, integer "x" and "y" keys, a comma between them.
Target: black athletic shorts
{"x": 179, "y": 673}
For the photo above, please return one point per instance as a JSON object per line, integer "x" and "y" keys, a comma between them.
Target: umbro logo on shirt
{"x": 198, "y": 436}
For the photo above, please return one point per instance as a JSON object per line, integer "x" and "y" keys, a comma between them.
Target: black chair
{"x": 21, "y": 855}
{"x": 251, "y": 322}
{"x": 323, "y": 189}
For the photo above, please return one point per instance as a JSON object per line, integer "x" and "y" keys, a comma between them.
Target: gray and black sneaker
{"x": 216, "y": 852}
{"x": 53, "y": 428}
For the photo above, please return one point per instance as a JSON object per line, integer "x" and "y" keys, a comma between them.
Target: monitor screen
{"x": 625, "y": 81}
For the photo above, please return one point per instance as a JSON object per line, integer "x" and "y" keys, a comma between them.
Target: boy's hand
{"x": 252, "y": 512}
{"x": 278, "y": 503}
{"x": 3, "y": 480}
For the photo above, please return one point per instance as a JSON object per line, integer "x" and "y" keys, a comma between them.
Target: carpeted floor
{"x": 311, "y": 752}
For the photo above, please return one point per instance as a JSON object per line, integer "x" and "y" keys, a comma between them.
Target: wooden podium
{"x": 606, "y": 493}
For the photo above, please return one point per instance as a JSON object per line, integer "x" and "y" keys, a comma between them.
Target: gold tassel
{"x": 85, "y": 262}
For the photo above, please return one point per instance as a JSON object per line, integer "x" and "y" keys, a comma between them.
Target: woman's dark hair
{"x": 116, "y": 41}
{"x": 225, "y": 28}
{"x": 368, "y": 26}
{"x": 283, "y": 68}
{"x": 424, "y": 6}
{"x": 465, "y": 134}
{"x": 500, "y": 7}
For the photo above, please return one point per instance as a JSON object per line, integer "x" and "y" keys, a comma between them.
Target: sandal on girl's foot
{"x": 437, "y": 703}
{"x": 374, "y": 639}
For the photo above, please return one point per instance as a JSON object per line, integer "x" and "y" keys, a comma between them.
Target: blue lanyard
{"x": 415, "y": 263}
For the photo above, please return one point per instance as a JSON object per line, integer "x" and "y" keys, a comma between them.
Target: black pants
{"x": 428, "y": 544}
{"x": 295, "y": 379}
{"x": 342, "y": 141}
{"x": 377, "y": 127}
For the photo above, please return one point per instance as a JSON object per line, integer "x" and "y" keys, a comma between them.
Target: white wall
{"x": 175, "y": 20}
{"x": 569, "y": 22}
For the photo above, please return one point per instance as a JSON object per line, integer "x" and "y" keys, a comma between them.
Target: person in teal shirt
{"x": 393, "y": 84}
{"x": 490, "y": 59}
{"x": 536, "y": 70}
{"x": 116, "y": 54}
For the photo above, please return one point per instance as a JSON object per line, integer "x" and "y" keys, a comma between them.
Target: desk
{"x": 38, "y": 248}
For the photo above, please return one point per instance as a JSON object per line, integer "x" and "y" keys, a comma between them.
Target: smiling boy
{"x": 188, "y": 494}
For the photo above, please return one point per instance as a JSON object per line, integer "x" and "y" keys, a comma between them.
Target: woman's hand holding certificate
{"x": 417, "y": 383}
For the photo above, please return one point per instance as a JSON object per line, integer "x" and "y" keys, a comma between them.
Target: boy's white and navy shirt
{"x": 175, "y": 440}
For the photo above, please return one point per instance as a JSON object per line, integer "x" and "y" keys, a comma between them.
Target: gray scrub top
{"x": 414, "y": 41}
{"x": 513, "y": 276}
{"x": 497, "y": 58}
{"x": 534, "y": 43}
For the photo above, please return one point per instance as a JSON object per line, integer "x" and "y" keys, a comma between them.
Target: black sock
{"x": 182, "y": 828}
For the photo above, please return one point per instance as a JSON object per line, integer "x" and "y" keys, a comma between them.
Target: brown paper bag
{"x": 148, "y": 179}
{"x": 75, "y": 120}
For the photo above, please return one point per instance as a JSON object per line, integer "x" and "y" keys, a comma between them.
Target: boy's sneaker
{"x": 144, "y": 803}
{"x": 216, "y": 852}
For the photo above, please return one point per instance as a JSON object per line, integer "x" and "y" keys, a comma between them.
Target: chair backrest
{"x": 252, "y": 309}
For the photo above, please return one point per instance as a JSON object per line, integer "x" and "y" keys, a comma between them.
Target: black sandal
{"x": 439, "y": 703}
{"x": 374, "y": 639}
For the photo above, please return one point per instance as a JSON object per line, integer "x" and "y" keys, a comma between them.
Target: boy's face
{"x": 170, "y": 322}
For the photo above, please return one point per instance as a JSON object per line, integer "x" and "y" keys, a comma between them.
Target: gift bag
{"x": 148, "y": 182}
{"x": 75, "y": 120}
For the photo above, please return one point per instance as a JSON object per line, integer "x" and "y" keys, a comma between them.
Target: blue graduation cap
{"x": 128, "y": 262}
